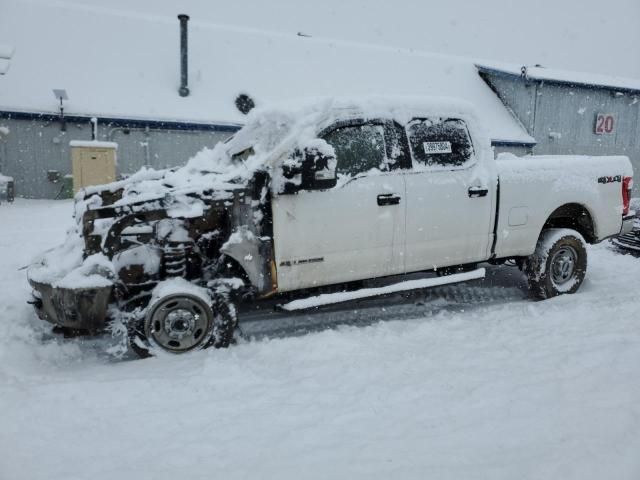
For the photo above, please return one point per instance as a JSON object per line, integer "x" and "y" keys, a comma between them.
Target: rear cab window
{"x": 439, "y": 143}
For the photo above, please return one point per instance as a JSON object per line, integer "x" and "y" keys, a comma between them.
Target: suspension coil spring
{"x": 175, "y": 259}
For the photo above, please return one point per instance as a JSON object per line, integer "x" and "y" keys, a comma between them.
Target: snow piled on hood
{"x": 63, "y": 266}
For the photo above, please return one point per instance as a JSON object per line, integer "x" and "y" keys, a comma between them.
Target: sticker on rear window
{"x": 436, "y": 147}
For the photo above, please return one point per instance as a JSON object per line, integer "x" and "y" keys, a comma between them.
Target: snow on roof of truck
{"x": 537, "y": 72}
{"x": 123, "y": 64}
{"x": 295, "y": 120}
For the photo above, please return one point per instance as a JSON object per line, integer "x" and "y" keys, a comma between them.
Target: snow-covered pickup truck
{"x": 323, "y": 195}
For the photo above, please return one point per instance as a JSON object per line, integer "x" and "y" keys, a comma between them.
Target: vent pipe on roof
{"x": 184, "y": 77}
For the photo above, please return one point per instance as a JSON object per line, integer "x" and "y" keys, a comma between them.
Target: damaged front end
{"x": 131, "y": 236}
{"x": 78, "y": 309}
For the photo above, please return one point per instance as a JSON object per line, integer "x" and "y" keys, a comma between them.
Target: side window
{"x": 359, "y": 148}
{"x": 439, "y": 142}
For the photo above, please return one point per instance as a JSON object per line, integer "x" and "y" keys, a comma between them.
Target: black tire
{"x": 216, "y": 329}
{"x": 558, "y": 265}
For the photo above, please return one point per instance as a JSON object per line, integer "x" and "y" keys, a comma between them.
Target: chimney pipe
{"x": 184, "y": 76}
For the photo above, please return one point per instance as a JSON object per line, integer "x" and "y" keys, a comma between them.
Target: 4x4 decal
{"x": 617, "y": 178}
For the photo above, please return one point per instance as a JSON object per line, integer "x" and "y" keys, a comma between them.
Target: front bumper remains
{"x": 74, "y": 308}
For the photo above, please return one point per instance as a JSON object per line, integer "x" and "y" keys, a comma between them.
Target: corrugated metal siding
{"x": 519, "y": 97}
{"x": 561, "y": 117}
{"x": 565, "y": 121}
{"x": 34, "y": 147}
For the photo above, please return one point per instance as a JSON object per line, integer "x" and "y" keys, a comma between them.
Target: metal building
{"x": 571, "y": 113}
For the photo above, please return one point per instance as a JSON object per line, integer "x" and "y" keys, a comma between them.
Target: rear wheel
{"x": 558, "y": 265}
{"x": 183, "y": 322}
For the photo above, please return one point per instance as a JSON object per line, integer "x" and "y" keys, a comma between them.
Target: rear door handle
{"x": 388, "y": 199}
{"x": 475, "y": 192}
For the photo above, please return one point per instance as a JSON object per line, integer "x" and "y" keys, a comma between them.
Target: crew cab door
{"x": 352, "y": 231}
{"x": 450, "y": 196}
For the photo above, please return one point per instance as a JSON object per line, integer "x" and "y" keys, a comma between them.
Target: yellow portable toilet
{"x": 93, "y": 163}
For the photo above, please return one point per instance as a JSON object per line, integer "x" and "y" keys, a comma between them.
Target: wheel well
{"x": 575, "y": 217}
{"x": 230, "y": 267}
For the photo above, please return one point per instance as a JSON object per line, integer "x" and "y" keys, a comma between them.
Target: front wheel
{"x": 558, "y": 265}
{"x": 183, "y": 322}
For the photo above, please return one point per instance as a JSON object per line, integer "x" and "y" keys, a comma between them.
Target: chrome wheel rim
{"x": 179, "y": 323}
{"x": 563, "y": 265}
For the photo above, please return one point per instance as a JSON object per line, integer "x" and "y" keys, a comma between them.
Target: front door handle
{"x": 388, "y": 199}
{"x": 475, "y": 192}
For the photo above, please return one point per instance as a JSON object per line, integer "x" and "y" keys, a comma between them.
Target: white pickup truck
{"x": 320, "y": 195}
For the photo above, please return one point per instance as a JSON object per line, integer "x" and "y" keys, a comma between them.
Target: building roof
{"x": 554, "y": 75}
{"x": 120, "y": 64}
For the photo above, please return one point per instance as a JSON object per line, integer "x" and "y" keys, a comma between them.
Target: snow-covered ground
{"x": 472, "y": 381}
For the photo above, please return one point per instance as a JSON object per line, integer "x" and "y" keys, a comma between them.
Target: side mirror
{"x": 312, "y": 168}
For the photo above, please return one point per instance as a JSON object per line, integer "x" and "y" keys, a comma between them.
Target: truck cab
{"x": 412, "y": 197}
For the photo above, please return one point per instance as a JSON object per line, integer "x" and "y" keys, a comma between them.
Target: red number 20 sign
{"x": 605, "y": 124}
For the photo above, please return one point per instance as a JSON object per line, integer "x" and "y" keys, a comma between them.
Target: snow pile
{"x": 144, "y": 174}
{"x": 5, "y": 179}
{"x": 179, "y": 286}
{"x": 226, "y": 167}
{"x": 210, "y": 169}
{"x": 63, "y": 266}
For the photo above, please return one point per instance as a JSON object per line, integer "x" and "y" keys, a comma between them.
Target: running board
{"x": 340, "y": 297}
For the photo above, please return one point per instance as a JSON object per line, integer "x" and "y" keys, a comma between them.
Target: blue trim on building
{"x": 123, "y": 122}
{"x": 574, "y": 84}
{"x": 510, "y": 143}
{"x": 166, "y": 125}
